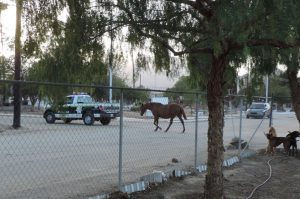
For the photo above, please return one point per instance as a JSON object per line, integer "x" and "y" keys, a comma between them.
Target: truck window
{"x": 69, "y": 100}
{"x": 80, "y": 100}
{"x": 88, "y": 100}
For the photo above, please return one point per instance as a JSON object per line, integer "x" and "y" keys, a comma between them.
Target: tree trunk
{"x": 17, "y": 86}
{"x": 214, "y": 177}
{"x": 295, "y": 91}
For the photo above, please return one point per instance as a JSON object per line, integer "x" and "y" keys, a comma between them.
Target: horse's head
{"x": 142, "y": 109}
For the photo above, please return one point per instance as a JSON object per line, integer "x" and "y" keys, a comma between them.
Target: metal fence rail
{"x": 73, "y": 160}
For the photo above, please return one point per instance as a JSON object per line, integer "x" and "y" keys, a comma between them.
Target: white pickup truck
{"x": 82, "y": 107}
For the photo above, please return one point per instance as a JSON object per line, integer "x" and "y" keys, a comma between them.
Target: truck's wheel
{"x": 88, "y": 118}
{"x": 50, "y": 117}
{"x": 105, "y": 121}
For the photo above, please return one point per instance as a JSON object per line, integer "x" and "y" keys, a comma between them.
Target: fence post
{"x": 120, "y": 181}
{"x": 240, "y": 131}
{"x": 196, "y": 130}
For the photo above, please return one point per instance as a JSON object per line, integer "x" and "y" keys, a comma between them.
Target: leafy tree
{"x": 218, "y": 33}
{"x": 278, "y": 88}
{"x": 290, "y": 58}
{"x": 3, "y": 62}
{"x": 74, "y": 51}
{"x": 75, "y": 47}
{"x": 33, "y": 91}
{"x": 6, "y": 72}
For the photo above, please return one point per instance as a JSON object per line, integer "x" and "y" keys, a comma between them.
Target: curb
{"x": 161, "y": 177}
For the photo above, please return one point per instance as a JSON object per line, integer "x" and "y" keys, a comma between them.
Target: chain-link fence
{"x": 85, "y": 148}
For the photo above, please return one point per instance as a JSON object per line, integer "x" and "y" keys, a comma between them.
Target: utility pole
{"x": 110, "y": 57}
{"x": 140, "y": 80}
{"x": 267, "y": 87}
{"x": 133, "y": 69}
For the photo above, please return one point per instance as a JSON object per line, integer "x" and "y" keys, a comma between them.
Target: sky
{"x": 8, "y": 26}
{"x": 148, "y": 79}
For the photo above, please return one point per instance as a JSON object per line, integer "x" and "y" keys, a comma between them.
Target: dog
{"x": 276, "y": 141}
{"x": 273, "y": 133}
{"x": 293, "y": 142}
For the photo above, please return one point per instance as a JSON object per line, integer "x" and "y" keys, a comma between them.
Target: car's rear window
{"x": 257, "y": 106}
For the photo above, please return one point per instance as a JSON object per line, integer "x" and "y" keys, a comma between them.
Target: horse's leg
{"x": 181, "y": 120}
{"x": 156, "y": 123}
{"x": 171, "y": 121}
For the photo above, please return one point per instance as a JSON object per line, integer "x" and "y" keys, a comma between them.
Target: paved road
{"x": 61, "y": 161}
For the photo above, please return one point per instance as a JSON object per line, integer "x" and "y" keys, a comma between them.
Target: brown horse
{"x": 164, "y": 111}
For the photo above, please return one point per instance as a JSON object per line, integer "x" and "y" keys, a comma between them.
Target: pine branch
{"x": 203, "y": 6}
{"x": 161, "y": 40}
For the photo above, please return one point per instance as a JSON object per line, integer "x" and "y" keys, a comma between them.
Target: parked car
{"x": 259, "y": 110}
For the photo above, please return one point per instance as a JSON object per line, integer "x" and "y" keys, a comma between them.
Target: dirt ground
{"x": 239, "y": 180}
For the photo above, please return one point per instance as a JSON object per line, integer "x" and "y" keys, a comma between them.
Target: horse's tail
{"x": 183, "y": 113}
